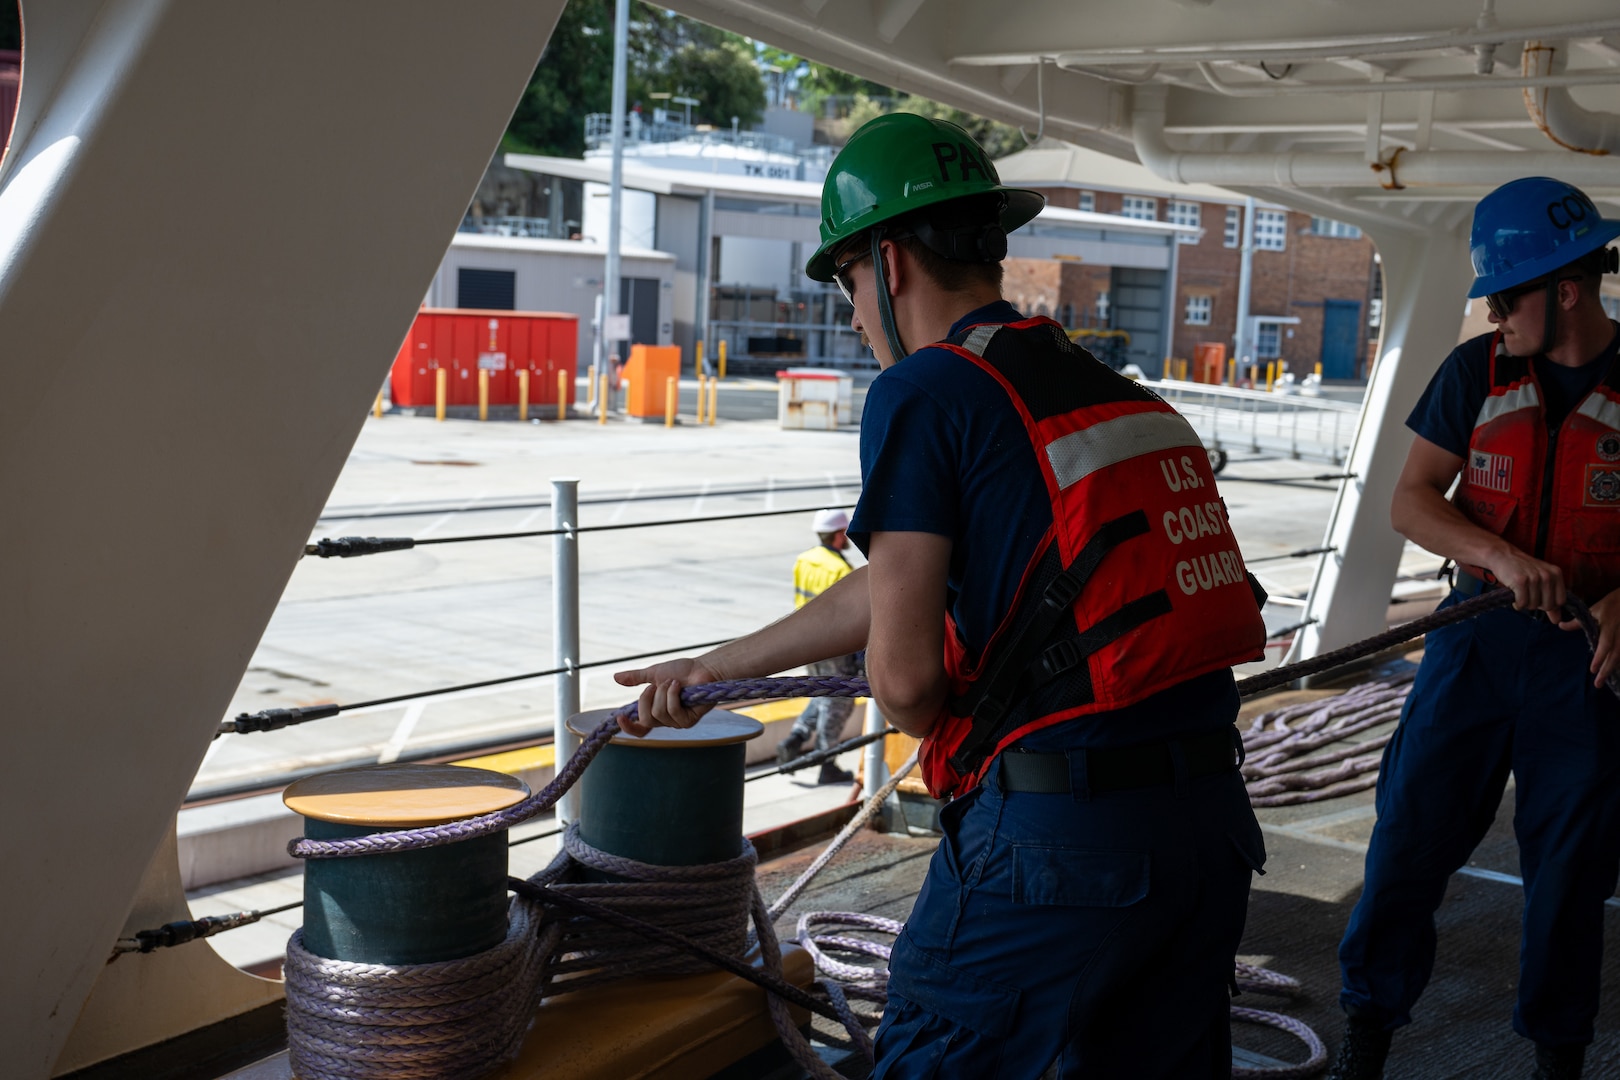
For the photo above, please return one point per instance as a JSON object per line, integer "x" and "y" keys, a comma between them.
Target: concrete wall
{"x": 555, "y": 276}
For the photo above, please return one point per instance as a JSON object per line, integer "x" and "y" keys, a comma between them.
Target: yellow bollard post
{"x": 439, "y": 391}
{"x": 376, "y": 409}
{"x": 697, "y": 359}
{"x": 523, "y": 394}
{"x": 601, "y": 400}
{"x": 714, "y": 387}
{"x": 483, "y": 394}
{"x": 562, "y": 394}
{"x": 1231, "y": 372}
{"x": 703, "y": 387}
{"x": 1319, "y": 369}
{"x": 1254, "y": 375}
{"x": 1271, "y": 375}
{"x": 669, "y": 401}
{"x": 721, "y": 372}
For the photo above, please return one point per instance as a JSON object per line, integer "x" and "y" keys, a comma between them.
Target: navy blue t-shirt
{"x": 1446, "y": 412}
{"x": 944, "y": 451}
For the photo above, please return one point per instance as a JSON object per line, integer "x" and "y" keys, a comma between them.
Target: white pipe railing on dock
{"x": 1295, "y": 424}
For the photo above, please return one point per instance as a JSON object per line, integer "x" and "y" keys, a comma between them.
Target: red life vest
{"x": 1137, "y": 586}
{"x": 1552, "y": 495}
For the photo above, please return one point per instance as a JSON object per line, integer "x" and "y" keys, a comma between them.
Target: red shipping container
{"x": 462, "y": 340}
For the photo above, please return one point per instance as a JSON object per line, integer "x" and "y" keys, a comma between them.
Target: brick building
{"x": 1315, "y": 284}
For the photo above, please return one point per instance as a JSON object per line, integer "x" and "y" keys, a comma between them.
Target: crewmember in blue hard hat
{"x": 1526, "y": 421}
{"x": 1052, "y": 602}
{"x": 814, "y": 572}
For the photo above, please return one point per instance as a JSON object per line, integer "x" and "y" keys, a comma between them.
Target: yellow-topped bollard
{"x": 562, "y": 395}
{"x": 1319, "y": 369}
{"x": 721, "y": 368}
{"x": 703, "y": 386}
{"x": 697, "y": 358}
{"x": 483, "y": 394}
{"x": 523, "y": 393}
{"x": 669, "y": 401}
{"x": 714, "y": 388}
{"x": 601, "y": 400}
{"x": 376, "y": 409}
{"x": 440, "y": 392}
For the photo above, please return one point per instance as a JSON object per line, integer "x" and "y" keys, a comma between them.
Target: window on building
{"x": 1140, "y": 207}
{"x": 1234, "y": 227}
{"x": 1270, "y": 231}
{"x": 1088, "y": 201}
{"x": 1198, "y": 310}
{"x": 1267, "y": 341}
{"x": 1321, "y": 226}
{"x": 1187, "y": 213}
{"x": 1102, "y": 307}
{"x": 486, "y": 289}
{"x": 1066, "y": 314}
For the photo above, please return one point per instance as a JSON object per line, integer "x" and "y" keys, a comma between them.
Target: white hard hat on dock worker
{"x": 830, "y": 521}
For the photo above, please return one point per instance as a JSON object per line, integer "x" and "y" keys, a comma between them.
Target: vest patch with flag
{"x": 1493, "y": 472}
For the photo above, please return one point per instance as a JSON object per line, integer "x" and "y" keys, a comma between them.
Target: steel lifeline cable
{"x": 350, "y": 1020}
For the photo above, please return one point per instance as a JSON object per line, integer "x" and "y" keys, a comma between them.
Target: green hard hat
{"x": 903, "y": 162}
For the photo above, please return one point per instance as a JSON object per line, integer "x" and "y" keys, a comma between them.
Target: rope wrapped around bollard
{"x": 349, "y": 1021}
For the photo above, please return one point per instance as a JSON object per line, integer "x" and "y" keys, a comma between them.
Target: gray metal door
{"x": 1136, "y": 305}
{"x": 638, "y": 298}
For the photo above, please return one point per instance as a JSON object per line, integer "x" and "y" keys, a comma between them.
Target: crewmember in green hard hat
{"x": 1525, "y": 421}
{"x": 1052, "y": 602}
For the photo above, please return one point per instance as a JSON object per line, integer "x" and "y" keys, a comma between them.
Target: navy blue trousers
{"x": 1495, "y": 694}
{"x": 1098, "y": 933}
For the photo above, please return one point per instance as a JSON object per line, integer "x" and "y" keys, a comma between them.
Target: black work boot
{"x": 789, "y": 748}
{"x": 832, "y": 774}
{"x": 1559, "y": 1062}
{"x": 1362, "y": 1052}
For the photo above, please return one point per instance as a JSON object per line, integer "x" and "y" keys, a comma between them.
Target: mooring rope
{"x": 331, "y": 998}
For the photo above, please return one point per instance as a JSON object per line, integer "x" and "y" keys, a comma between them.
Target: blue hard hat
{"x": 1531, "y": 227}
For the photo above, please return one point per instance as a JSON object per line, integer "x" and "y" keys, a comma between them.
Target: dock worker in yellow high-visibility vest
{"x": 814, "y": 571}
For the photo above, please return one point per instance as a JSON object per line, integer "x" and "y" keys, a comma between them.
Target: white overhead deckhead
{"x": 1374, "y": 109}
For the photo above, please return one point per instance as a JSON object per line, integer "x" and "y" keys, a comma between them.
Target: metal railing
{"x": 1295, "y": 424}
{"x": 566, "y": 666}
{"x": 508, "y": 225}
{"x": 640, "y": 129}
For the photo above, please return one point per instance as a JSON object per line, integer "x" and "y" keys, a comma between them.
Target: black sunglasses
{"x": 1502, "y": 303}
{"x": 841, "y": 277}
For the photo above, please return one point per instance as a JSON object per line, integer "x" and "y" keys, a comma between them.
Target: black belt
{"x": 1468, "y": 586}
{"x": 1121, "y": 768}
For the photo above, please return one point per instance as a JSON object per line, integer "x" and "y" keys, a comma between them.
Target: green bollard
{"x": 407, "y": 907}
{"x": 671, "y": 798}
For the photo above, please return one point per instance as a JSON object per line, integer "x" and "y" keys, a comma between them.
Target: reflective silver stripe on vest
{"x": 1076, "y": 456}
{"x": 978, "y": 338}
{"x": 1523, "y": 396}
{"x": 1602, "y": 409}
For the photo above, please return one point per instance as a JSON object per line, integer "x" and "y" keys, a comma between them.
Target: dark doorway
{"x": 1341, "y": 333}
{"x": 1136, "y": 302}
{"x": 638, "y": 298}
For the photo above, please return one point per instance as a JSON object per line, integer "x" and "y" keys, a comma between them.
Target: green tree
{"x": 668, "y": 54}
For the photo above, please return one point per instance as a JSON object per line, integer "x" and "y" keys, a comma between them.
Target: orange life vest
{"x": 1137, "y": 586}
{"x": 1554, "y": 495}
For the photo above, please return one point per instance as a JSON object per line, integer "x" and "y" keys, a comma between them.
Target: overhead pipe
{"x": 1299, "y": 51}
{"x": 1286, "y": 87}
{"x": 1400, "y": 169}
{"x": 1556, "y": 114}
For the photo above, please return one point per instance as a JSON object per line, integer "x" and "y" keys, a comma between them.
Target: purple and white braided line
{"x": 1313, "y": 1063}
{"x": 544, "y": 799}
{"x": 455, "y": 1020}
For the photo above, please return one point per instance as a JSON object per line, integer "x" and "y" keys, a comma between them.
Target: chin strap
{"x": 880, "y": 281}
{"x": 1549, "y": 329}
